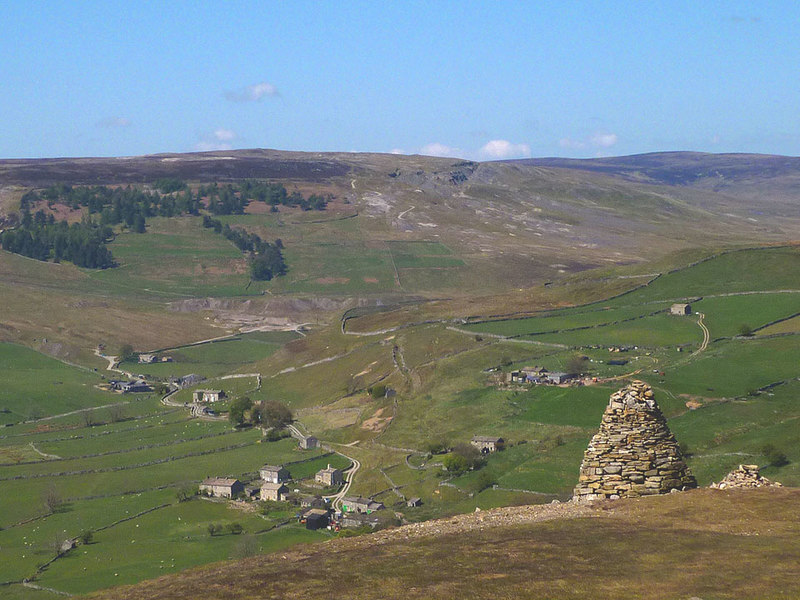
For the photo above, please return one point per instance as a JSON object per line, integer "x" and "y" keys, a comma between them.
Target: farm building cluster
{"x": 315, "y": 511}
{"x": 537, "y": 376}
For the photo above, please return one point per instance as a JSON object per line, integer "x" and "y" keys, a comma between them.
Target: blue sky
{"x": 480, "y": 80}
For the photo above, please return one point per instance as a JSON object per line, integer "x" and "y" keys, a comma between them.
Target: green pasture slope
{"x": 102, "y": 474}
{"x": 746, "y": 388}
{"x": 176, "y": 257}
{"x": 215, "y": 358}
{"x": 36, "y": 386}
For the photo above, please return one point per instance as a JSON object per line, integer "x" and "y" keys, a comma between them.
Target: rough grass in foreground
{"x": 704, "y": 543}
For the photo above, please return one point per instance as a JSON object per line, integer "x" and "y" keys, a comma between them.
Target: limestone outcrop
{"x": 746, "y": 476}
{"x": 634, "y": 453}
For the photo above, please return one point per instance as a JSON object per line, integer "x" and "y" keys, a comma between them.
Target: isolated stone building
{"x": 680, "y": 309}
{"x": 634, "y": 453}
{"x": 207, "y": 395}
{"x": 330, "y": 476}
{"x": 487, "y": 443}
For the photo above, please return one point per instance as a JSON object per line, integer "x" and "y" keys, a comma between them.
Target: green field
{"x": 724, "y": 404}
{"x": 724, "y": 316}
{"x": 36, "y": 386}
{"x": 215, "y": 358}
{"x": 201, "y": 263}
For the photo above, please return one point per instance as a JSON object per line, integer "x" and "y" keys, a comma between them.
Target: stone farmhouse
{"x": 329, "y": 476}
{"x": 360, "y": 505}
{"x": 487, "y": 444}
{"x": 273, "y": 491}
{"x": 207, "y": 395}
{"x": 680, "y": 309}
{"x": 146, "y": 359}
{"x": 272, "y": 474}
{"x": 126, "y": 387}
{"x": 221, "y": 487}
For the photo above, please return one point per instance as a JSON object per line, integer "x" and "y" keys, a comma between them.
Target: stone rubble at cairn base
{"x": 746, "y": 476}
{"x": 634, "y": 453}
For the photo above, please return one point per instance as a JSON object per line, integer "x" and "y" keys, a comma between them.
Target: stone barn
{"x": 221, "y": 487}
{"x": 486, "y": 443}
{"x": 680, "y": 309}
{"x": 634, "y": 453}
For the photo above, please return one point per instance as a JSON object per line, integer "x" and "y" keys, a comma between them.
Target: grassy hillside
{"x": 428, "y": 276}
{"x": 676, "y": 546}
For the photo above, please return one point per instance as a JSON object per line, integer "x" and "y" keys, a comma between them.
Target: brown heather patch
{"x": 704, "y": 543}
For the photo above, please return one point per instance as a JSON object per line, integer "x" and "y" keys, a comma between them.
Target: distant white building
{"x": 207, "y": 395}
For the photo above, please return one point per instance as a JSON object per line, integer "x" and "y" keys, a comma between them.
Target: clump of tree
{"x": 576, "y": 364}
{"x": 272, "y": 413}
{"x": 436, "y": 447}
{"x": 51, "y": 498}
{"x": 266, "y": 259}
{"x": 238, "y": 409}
{"x": 464, "y": 457}
{"x": 185, "y": 493}
{"x": 126, "y": 353}
{"x": 745, "y": 330}
{"x": 377, "y": 391}
{"x": 41, "y": 237}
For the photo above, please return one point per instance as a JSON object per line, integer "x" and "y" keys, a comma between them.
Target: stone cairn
{"x": 746, "y": 476}
{"x": 634, "y": 453}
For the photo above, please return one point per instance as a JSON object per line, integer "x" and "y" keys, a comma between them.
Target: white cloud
{"x": 598, "y": 140}
{"x": 397, "y": 151}
{"x": 220, "y": 139}
{"x": 253, "y": 93}
{"x": 437, "y": 149}
{"x": 208, "y": 146}
{"x": 114, "y": 122}
{"x": 571, "y": 144}
{"x": 224, "y": 135}
{"x": 604, "y": 140}
{"x": 499, "y": 149}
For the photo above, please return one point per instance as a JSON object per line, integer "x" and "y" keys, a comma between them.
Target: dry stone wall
{"x": 634, "y": 453}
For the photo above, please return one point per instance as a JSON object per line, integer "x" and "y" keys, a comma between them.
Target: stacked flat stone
{"x": 746, "y": 476}
{"x": 634, "y": 453}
